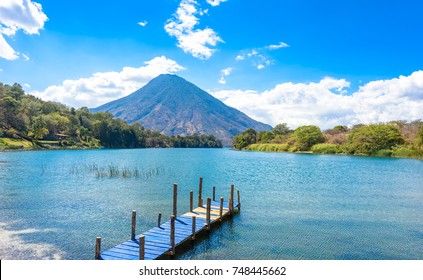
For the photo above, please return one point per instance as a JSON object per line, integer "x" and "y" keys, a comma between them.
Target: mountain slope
{"x": 174, "y": 106}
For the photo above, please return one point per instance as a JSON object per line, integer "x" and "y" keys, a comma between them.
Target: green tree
{"x": 39, "y": 128}
{"x": 368, "y": 139}
{"x": 420, "y": 135}
{"x": 307, "y": 136}
{"x": 248, "y": 137}
{"x": 281, "y": 129}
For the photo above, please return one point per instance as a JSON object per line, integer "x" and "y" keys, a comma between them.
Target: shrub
{"x": 406, "y": 152}
{"x": 325, "y": 148}
{"x": 307, "y": 136}
{"x": 369, "y": 139}
{"x": 382, "y": 153}
{"x": 269, "y": 147}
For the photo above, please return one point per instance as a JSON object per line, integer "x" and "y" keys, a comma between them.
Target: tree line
{"x": 46, "y": 124}
{"x": 395, "y": 138}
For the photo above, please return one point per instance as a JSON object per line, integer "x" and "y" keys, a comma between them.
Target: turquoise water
{"x": 294, "y": 206}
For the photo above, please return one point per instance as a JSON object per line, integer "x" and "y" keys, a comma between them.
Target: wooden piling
{"x": 191, "y": 200}
{"x": 231, "y": 202}
{"x": 141, "y": 247}
{"x": 175, "y": 199}
{"x": 193, "y": 227}
{"x": 200, "y": 190}
{"x": 172, "y": 235}
{"x": 159, "y": 220}
{"x": 239, "y": 201}
{"x": 97, "y": 248}
{"x": 208, "y": 212}
{"x": 214, "y": 193}
{"x": 221, "y": 208}
{"x": 134, "y": 222}
{"x": 229, "y": 206}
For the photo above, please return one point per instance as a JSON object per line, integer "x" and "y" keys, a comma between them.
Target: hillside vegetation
{"x": 27, "y": 122}
{"x": 396, "y": 139}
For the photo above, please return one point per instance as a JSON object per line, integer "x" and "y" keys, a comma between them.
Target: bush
{"x": 382, "y": 153}
{"x": 405, "y": 152}
{"x": 326, "y": 148}
{"x": 307, "y": 136}
{"x": 269, "y": 147}
{"x": 369, "y": 139}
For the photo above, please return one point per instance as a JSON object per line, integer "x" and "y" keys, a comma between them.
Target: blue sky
{"x": 299, "y": 62}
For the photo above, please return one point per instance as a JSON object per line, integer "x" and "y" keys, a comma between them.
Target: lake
{"x": 294, "y": 206}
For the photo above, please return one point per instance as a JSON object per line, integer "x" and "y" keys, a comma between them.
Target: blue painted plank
{"x": 162, "y": 237}
{"x": 130, "y": 254}
{"x": 167, "y": 232}
{"x": 148, "y": 249}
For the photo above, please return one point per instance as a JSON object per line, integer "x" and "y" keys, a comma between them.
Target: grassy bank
{"x": 15, "y": 144}
{"x": 324, "y": 148}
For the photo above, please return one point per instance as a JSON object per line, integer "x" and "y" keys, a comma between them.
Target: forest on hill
{"x": 396, "y": 139}
{"x": 27, "y": 122}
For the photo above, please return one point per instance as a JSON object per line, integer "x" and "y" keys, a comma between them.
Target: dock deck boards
{"x": 157, "y": 239}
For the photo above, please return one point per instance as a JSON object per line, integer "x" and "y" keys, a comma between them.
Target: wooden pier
{"x": 166, "y": 237}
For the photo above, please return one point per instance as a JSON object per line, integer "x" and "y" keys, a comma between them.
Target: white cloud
{"x": 260, "y": 57}
{"x": 103, "y": 87}
{"x": 278, "y": 46}
{"x": 18, "y": 15}
{"x": 6, "y": 51}
{"x": 215, "y": 2}
{"x": 25, "y": 57}
{"x": 325, "y": 103}
{"x": 196, "y": 42}
{"x": 240, "y": 57}
{"x": 223, "y": 74}
{"x": 27, "y": 85}
{"x": 252, "y": 53}
{"x": 143, "y": 23}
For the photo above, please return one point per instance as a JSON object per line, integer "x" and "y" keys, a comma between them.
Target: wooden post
{"x": 208, "y": 212}
{"x": 239, "y": 201}
{"x": 231, "y": 202}
{"x": 191, "y": 200}
{"x": 172, "y": 234}
{"x": 200, "y": 189}
{"x": 229, "y": 205}
{"x": 159, "y": 220}
{"x": 175, "y": 199}
{"x": 142, "y": 246}
{"x": 221, "y": 208}
{"x": 193, "y": 228}
{"x": 97, "y": 248}
{"x": 214, "y": 193}
{"x": 134, "y": 222}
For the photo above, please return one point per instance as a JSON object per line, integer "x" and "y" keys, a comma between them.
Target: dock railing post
{"x": 134, "y": 222}
{"x": 208, "y": 212}
{"x": 239, "y": 200}
{"x": 193, "y": 227}
{"x": 97, "y": 248}
{"x": 142, "y": 247}
{"x": 159, "y": 220}
{"x": 221, "y": 208}
{"x": 175, "y": 199}
{"x": 231, "y": 201}
{"x": 214, "y": 193}
{"x": 229, "y": 206}
{"x": 172, "y": 234}
{"x": 200, "y": 190}
{"x": 191, "y": 200}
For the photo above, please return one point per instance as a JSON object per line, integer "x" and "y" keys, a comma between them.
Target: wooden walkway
{"x": 163, "y": 239}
